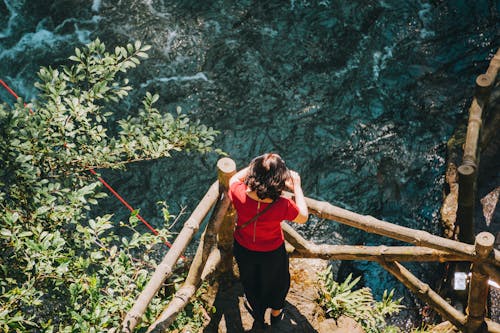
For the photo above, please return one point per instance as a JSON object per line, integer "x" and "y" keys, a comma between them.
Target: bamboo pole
{"x": 165, "y": 268}
{"x": 424, "y": 292}
{"x": 478, "y": 290}
{"x": 370, "y": 224}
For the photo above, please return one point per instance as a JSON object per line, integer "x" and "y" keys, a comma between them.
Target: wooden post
{"x": 226, "y": 169}
{"x": 484, "y": 85}
{"x": 165, "y": 268}
{"x": 466, "y": 197}
{"x": 478, "y": 290}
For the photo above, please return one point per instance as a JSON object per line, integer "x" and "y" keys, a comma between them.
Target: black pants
{"x": 265, "y": 277}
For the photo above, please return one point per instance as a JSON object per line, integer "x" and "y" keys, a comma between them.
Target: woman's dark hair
{"x": 267, "y": 175}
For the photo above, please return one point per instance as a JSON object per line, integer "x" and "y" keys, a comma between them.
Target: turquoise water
{"x": 360, "y": 97}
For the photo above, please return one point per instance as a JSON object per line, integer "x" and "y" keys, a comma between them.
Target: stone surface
{"x": 343, "y": 325}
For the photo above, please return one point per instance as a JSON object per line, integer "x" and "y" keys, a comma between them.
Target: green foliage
{"x": 61, "y": 270}
{"x": 339, "y": 299}
{"x": 194, "y": 315}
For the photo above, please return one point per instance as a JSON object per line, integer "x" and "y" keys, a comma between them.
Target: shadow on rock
{"x": 293, "y": 321}
{"x": 231, "y": 316}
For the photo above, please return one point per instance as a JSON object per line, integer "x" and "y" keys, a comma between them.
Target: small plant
{"x": 197, "y": 312}
{"x": 339, "y": 299}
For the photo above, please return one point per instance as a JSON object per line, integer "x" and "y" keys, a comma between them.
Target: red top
{"x": 263, "y": 234}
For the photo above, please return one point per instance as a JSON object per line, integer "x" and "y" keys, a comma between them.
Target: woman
{"x": 259, "y": 246}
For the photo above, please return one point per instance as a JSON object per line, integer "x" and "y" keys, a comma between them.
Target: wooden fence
{"x": 214, "y": 252}
{"x": 467, "y": 171}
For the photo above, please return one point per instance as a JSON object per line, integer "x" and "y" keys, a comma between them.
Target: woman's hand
{"x": 293, "y": 181}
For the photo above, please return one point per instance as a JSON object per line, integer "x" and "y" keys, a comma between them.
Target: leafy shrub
{"x": 339, "y": 299}
{"x": 61, "y": 270}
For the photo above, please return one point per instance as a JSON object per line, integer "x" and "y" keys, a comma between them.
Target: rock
{"x": 450, "y": 204}
{"x": 489, "y": 202}
{"x": 342, "y": 325}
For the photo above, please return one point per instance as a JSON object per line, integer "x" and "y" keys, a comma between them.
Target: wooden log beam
{"x": 478, "y": 289}
{"x": 165, "y": 268}
{"x": 493, "y": 327}
{"x": 494, "y": 66}
{"x": 305, "y": 249}
{"x": 294, "y": 238}
{"x": 466, "y": 197}
{"x": 226, "y": 169}
{"x": 184, "y": 294}
{"x": 425, "y": 293}
{"x": 376, "y": 253}
{"x": 370, "y": 224}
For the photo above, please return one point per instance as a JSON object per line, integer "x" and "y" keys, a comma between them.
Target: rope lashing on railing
{"x": 92, "y": 171}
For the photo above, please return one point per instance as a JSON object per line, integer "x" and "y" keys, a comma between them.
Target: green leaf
{"x": 25, "y": 234}
{"x": 6, "y": 232}
{"x": 24, "y": 158}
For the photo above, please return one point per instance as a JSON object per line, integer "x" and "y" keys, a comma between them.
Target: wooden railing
{"x": 467, "y": 171}
{"x": 214, "y": 254}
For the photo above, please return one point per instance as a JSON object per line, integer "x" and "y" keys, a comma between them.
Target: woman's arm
{"x": 239, "y": 176}
{"x": 293, "y": 183}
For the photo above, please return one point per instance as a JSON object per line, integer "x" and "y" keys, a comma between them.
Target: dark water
{"x": 360, "y": 97}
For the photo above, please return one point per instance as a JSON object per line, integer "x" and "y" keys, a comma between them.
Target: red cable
{"x": 119, "y": 197}
{"x": 126, "y": 204}
{"x": 11, "y": 91}
{"x": 8, "y": 89}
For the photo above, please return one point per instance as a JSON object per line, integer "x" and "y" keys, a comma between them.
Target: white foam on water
{"x": 386, "y": 136}
{"x": 153, "y": 11}
{"x": 197, "y": 76}
{"x": 81, "y": 34}
{"x": 34, "y": 40}
{"x": 171, "y": 35}
{"x": 12, "y": 20}
{"x": 96, "y": 5}
{"x": 424, "y": 15}
{"x": 380, "y": 60}
{"x": 43, "y": 38}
